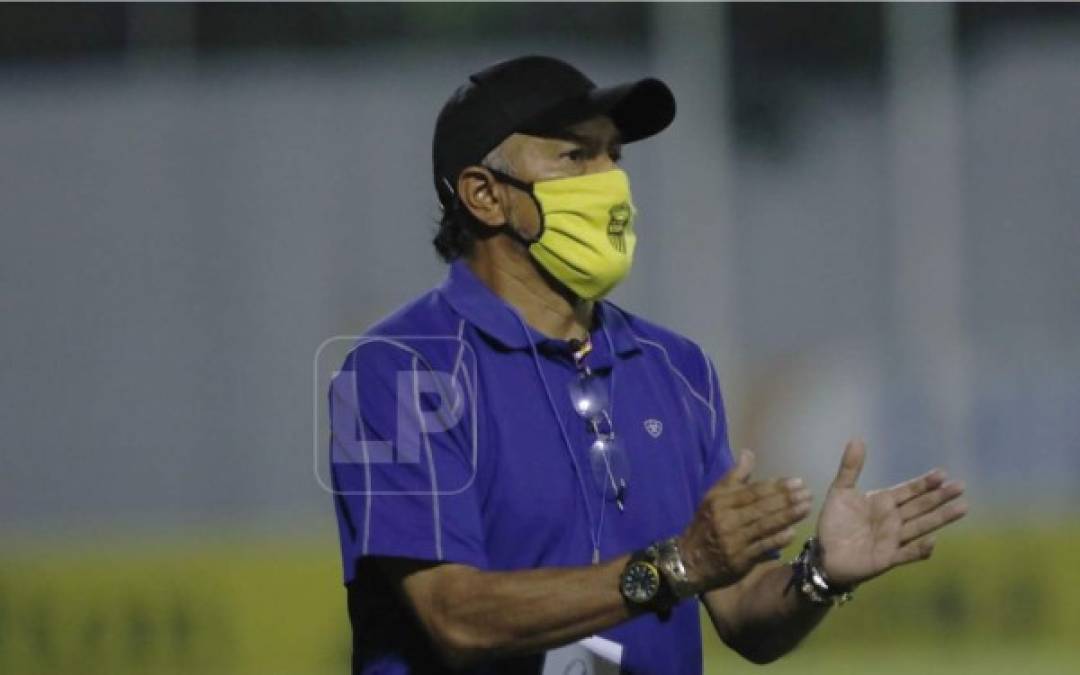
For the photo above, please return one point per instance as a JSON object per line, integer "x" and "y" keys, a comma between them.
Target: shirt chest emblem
{"x": 654, "y": 427}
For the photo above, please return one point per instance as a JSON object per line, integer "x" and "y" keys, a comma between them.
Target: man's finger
{"x": 769, "y": 525}
{"x": 777, "y": 502}
{"x": 736, "y": 496}
{"x": 908, "y": 490}
{"x": 774, "y": 503}
{"x": 935, "y": 520}
{"x": 920, "y": 549}
{"x": 931, "y": 500}
{"x": 851, "y": 464}
{"x": 773, "y": 542}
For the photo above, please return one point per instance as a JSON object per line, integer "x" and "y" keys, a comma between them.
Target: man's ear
{"x": 476, "y": 189}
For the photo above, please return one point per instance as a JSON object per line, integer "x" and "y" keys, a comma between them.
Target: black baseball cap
{"x": 537, "y": 95}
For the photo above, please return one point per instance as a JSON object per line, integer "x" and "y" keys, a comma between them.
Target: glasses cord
{"x": 594, "y": 530}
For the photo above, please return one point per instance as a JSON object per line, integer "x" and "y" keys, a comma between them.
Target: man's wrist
{"x": 663, "y": 561}
{"x": 673, "y": 567}
{"x": 642, "y": 584}
{"x": 695, "y": 583}
{"x": 810, "y": 582}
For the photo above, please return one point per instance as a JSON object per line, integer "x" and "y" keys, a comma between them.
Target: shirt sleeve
{"x": 403, "y": 457}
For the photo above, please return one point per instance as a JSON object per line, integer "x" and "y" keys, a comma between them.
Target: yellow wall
{"x": 260, "y": 606}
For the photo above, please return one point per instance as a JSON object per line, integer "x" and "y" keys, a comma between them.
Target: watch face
{"x": 640, "y": 582}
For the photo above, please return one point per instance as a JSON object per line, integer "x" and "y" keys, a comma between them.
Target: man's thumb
{"x": 851, "y": 464}
{"x": 744, "y": 466}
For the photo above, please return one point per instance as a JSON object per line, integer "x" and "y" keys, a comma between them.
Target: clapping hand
{"x": 866, "y": 534}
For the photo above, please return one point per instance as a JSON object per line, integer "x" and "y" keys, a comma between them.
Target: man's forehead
{"x": 599, "y": 129}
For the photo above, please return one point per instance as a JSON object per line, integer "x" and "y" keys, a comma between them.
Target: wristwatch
{"x": 655, "y": 578}
{"x": 809, "y": 578}
{"x": 641, "y": 583}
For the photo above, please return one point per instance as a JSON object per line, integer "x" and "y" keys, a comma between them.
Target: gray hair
{"x": 458, "y": 230}
{"x": 497, "y": 159}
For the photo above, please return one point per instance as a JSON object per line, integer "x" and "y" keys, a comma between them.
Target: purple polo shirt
{"x": 455, "y": 439}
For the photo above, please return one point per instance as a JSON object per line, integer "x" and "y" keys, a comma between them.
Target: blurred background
{"x": 868, "y": 214}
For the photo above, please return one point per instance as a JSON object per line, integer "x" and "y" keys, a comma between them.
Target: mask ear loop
{"x": 527, "y": 188}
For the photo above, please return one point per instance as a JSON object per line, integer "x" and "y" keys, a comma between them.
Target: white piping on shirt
{"x": 367, "y": 476}
{"x": 437, "y": 520}
{"x": 709, "y": 376}
{"x": 708, "y": 402}
{"x": 369, "y": 496}
{"x": 367, "y": 488}
{"x": 458, "y": 362}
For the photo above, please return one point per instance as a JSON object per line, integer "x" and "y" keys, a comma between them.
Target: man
{"x": 521, "y": 465}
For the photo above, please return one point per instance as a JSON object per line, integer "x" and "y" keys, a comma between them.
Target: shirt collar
{"x": 496, "y": 318}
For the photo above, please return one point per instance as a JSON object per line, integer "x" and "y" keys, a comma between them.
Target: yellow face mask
{"x": 587, "y": 229}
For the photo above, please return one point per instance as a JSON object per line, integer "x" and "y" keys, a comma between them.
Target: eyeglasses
{"x": 607, "y": 456}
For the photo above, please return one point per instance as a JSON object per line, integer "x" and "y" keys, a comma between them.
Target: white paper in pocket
{"x": 591, "y": 656}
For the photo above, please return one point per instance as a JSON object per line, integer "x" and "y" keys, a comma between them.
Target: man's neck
{"x": 513, "y": 276}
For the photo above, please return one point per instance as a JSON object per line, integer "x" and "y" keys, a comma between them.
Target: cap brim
{"x": 639, "y": 109}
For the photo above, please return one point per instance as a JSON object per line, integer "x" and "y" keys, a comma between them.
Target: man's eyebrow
{"x": 568, "y": 135}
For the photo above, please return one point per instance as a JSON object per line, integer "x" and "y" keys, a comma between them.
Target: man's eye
{"x": 575, "y": 155}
